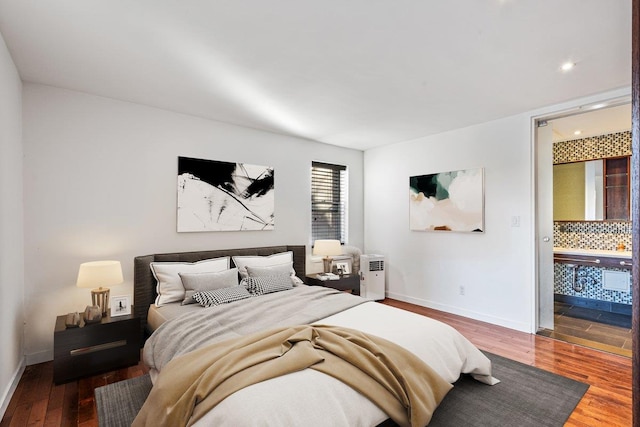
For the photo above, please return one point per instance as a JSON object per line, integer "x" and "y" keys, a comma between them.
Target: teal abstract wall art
{"x": 447, "y": 201}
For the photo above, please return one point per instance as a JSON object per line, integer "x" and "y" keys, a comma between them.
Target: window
{"x": 328, "y": 202}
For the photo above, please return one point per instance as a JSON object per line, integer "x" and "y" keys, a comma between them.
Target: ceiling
{"x": 597, "y": 122}
{"x": 356, "y": 73}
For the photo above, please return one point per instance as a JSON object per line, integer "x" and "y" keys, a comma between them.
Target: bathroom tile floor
{"x": 599, "y": 316}
{"x": 584, "y": 326}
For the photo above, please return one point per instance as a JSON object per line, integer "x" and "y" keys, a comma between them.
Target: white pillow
{"x": 170, "y": 287}
{"x": 196, "y": 282}
{"x": 275, "y": 270}
{"x": 272, "y": 270}
{"x": 262, "y": 261}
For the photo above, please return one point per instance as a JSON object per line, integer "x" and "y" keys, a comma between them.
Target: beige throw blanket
{"x": 394, "y": 379}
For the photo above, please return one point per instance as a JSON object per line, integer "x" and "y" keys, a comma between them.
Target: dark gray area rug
{"x": 526, "y": 396}
{"x": 119, "y": 403}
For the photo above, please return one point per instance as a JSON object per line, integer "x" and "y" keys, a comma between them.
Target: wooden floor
{"x": 37, "y": 401}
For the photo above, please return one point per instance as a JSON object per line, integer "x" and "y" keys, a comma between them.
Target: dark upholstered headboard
{"x": 144, "y": 284}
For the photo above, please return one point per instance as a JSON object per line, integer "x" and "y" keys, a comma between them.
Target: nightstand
{"x": 112, "y": 343}
{"x": 346, "y": 282}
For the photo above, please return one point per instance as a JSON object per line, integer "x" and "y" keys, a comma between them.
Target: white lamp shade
{"x": 96, "y": 274}
{"x": 327, "y": 247}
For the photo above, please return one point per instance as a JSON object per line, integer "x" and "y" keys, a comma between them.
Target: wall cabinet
{"x": 616, "y": 184}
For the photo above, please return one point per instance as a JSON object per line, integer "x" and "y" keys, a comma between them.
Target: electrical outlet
{"x": 515, "y": 221}
{"x": 461, "y": 290}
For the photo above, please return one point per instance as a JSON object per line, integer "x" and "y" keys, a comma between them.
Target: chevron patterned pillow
{"x": 268, "y": 284}
{"x": 221, "y": 296}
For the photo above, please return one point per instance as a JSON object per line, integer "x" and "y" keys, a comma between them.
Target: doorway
{"x": 583, "y": 240}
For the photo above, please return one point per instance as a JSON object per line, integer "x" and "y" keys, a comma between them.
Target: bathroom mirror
{"x": 592, "y": 190}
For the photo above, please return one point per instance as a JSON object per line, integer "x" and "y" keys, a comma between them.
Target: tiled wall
{"x": 591, "y": 234}
{"x": 596, "y": 147}
{"x": 591, "y": 280}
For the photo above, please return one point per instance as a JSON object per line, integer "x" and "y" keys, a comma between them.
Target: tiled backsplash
{"x": 590, "y": 234}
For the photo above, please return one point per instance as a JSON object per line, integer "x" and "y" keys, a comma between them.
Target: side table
{"x": 346, "y": 282}
{"x": 112, "y": 343}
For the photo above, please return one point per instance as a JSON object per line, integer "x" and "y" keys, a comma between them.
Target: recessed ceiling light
{"x": 577, "y": 132}
{"x": 567, "y": 66}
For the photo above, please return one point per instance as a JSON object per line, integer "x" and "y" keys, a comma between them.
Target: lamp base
{"x": 100, "y": 297}
{"x": 327, "y": 264}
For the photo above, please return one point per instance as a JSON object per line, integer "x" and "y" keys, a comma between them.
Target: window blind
{"x": 328, "y": 201}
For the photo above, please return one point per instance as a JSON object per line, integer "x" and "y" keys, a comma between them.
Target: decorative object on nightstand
{"x": 97, "y": 275}
{"x": 342, "y": 266}
{"x": 120, "y": 305}
{"x": 92, "y": 314}
{"x": 327, "y": 248}
{"x": 72, "y": 320}
{"x": 354, "y": 253}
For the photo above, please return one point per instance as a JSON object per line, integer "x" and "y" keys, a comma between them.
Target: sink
{"x": 592, "y": 252}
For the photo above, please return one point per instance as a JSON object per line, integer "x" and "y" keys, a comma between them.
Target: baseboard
{"x": 8, "y": 394}
{"x": 40, "y": 357}
{"x": 518, "y": 326}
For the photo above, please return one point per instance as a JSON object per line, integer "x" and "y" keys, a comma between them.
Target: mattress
{"x": 158, "y": 315}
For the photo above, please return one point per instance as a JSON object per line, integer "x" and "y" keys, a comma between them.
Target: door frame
{"x": 635, "y": 211}
{"x": 543, "y": 251}
{"x": 611, "y": 99}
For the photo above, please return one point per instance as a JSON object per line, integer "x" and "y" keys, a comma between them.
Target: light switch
{"x": 515, "y": 221}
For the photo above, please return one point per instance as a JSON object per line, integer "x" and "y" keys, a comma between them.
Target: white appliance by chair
{"x": 372, "y": 280}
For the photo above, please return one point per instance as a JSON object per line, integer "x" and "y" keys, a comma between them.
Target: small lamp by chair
{"x": 327, "y": 248}
{"x": 98, "y": 274}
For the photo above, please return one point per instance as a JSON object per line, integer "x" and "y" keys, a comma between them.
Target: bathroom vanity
{"x": 593, "y": 257}
{"x": 597, "y": 279}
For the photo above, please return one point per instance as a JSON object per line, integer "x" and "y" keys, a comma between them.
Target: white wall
{"x": 100, "y": 183}
{"x": 428, "y": 268}
{"x": 498, "y": 267}
{"x": 11, "y": 233}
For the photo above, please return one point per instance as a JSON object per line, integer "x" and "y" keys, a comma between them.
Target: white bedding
{"x": 311, "y": 398}
{"x": 156, "y": 316}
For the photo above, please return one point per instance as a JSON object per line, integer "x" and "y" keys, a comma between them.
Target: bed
{"x": 178, "y": 333}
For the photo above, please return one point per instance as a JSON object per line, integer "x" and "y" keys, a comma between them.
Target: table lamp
{"x": 327, "y": 248}
{"x": 97, "y": 275}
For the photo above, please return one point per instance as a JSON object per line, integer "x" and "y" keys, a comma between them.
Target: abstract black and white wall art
{"x": 224, "y": 196}
{"x": 447, "y": 201}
